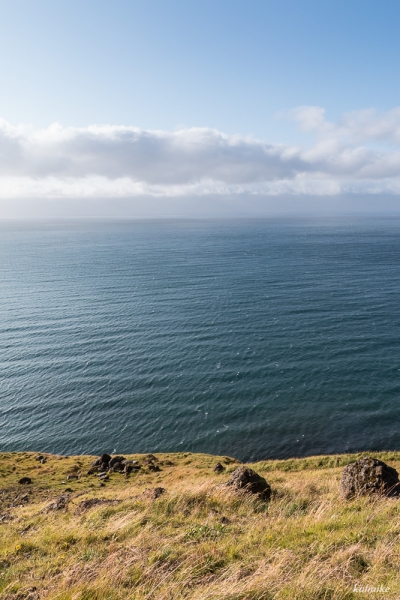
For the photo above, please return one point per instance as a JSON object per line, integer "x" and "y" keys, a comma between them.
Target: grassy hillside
{"x": 198, "y": 540}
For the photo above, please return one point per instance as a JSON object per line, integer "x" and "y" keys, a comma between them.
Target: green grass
{"x": 199, "y": 540}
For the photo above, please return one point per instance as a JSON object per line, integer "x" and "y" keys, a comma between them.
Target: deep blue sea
{"x": 256, "y": 339}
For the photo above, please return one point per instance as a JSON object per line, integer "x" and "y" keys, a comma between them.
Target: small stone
{"x": 59, "y": 504}
{"x": 151, "y": 457}
{"x": 25, "y": 480}
{"x": 39, "y": 458}
{"x": 369, "y": 476}
{"x": 154, "y": 493}
{"x": 245, "y": 479}
{"x": 71, "y": 477}
{"x": 224, "y": 521}
{"x": 219, "y": 468}
{"x": 68, "y": 490}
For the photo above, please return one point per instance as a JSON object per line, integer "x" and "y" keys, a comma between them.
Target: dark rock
{"x": 39, "y": 458}
{"x": 152, "y": 467}
{"x": 96, "y": 463}
{"x": 104, "y": 477}
{"x": 43, "y": 461}
{"x": 24, "y": 498}
{"x": 219, "y": 468}
{"x": 71, "y": 477}
{"x": 117, "y": 467}
{"x": 68, "y": 490}
{"x": 369, "y": 476}
{"x": 130, "y": 468}
{"x": 102, "y": 484}
{"x": 25, "y": 480}
{"x": 115, "y": 460}
{"x": 244, "y": 478}
{"x": 224, "y": 521}
{"x": 105, "y": 458}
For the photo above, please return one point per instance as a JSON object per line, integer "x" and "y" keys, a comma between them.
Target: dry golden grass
{"x": 306, "y": 543}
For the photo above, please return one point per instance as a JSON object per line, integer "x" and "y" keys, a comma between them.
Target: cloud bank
{"x": 360, "y": 153}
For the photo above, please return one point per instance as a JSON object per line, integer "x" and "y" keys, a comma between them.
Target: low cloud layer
{"x": 358, "y": 154}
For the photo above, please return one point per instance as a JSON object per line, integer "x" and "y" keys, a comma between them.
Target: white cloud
{"x": 359, "y": 153}
{"x": 353, "y": 127}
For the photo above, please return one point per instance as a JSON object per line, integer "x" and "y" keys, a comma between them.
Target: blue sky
{"x": 226, "y": 76}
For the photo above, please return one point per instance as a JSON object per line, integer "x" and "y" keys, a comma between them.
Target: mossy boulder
{"x": 245, "y": 479}
{"x": 369, "y": 476}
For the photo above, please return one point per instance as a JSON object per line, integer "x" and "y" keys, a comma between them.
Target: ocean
{"x": 257, "y": 339}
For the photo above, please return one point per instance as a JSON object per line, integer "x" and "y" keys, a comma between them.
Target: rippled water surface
{"x": 256, "y": 339}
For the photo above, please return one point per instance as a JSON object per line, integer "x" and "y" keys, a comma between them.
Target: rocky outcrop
{"x": 105, "y": 465}
{"x": 369, "y": 476}
{"x": 245, "y": 479}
